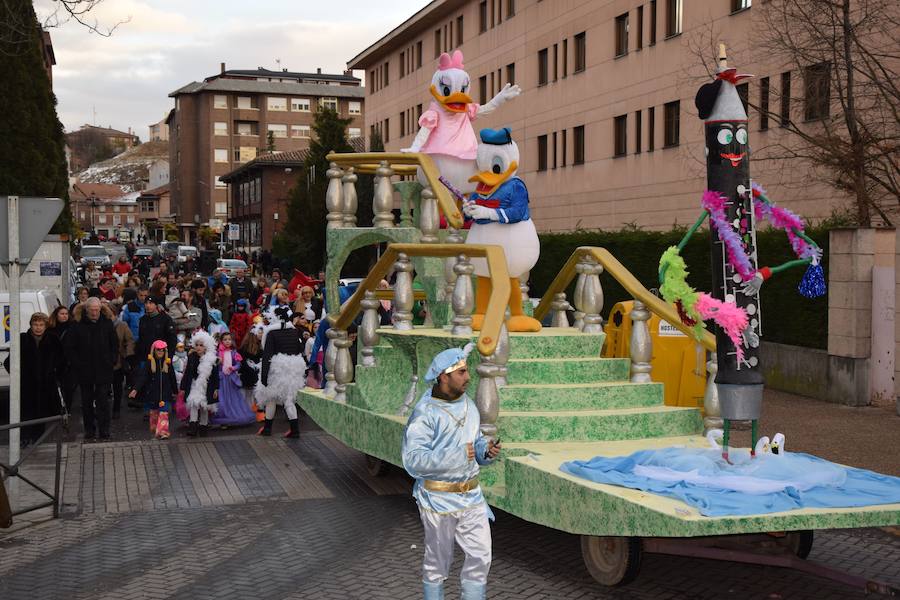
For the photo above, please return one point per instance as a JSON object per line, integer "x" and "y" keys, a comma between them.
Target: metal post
{"x": 641, "y": 344}
{"x": 56, "y": 498}
{"x": 15, "y": 347}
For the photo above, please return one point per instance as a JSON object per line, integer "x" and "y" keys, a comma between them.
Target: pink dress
{"x": 451, "y": 132}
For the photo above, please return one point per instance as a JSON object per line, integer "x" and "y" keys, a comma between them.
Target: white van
{"x": 31, "y": 302}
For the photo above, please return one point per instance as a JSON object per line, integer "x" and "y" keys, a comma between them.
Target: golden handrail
{"x": 496, "y": 262}
{"x": 634, "y": 287}
{"x": 404, "y": 163}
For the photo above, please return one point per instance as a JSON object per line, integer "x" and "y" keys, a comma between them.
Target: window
{"x": 330, "y": 103}
{"x": 763, "y": 103}
{"x": 578, "y": 141}
{"x": 278, "y": 130}
{"x": 510, "y": 8}
{"x": 437, "y": 43}
{"x": 785, "y": 99}
{"x": 482, "y": 90}
{"x": 621, "y": 37}
{"x": 737, "y": 5}
{"x": 354, "y": 132}
{"x": 565, "y": 146}
{"x": 300, "y": 104}
{"x": 580, "y": 52}
{"x": 637, "y": 132}
{"x": 247, "y": 129}
{"x": 387, "y": 131}
{"x": 743, "y": 91}
{"x": 542, "y": 67}
{"x": 817, "y": 91}
{"x": 554, "y": 149}
{"x": 300, "y": 131}
{"x": 101, "y": 219}
{"x": 651, "y": 128}
{"x": 652, "y": 22}
{"x": 117, "y": 208}
{"x": 640, "y": 28}
{"x": 673, "y": 17}
{"x": 672, "y": 123}
{"x": 542, "y": 153}
{"x": 220, "y": 101}
{"x": 220, "y": 128}
{"x": 419, "y": 54}
{"x": 129, "y": 219}
{"x": 402, "y": 124}
{"x": 220, "y": 184}
{"x": 387, "y": 71}
{"x": 221, "y": 155}
{"x": 555, "y": 62}
{"x": 418, "y": 112}
{"x": 246, "y": 102}
{"x": 511, "y": 73}
{"x": 620, "y": 135}
{"x": 276, "y": 103}
{"x": 221, "y": 208}
{"x": 482, "y": 17}
{"x": 459, "y": 30}
{"x": 354, "y": 108}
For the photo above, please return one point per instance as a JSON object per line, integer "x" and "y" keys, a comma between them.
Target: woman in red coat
{"x": 241, "y": 321}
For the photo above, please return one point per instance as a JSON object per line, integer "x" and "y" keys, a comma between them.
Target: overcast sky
{"x": 127, "y": 78}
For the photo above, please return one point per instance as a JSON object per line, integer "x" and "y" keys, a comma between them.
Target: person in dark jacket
{"x": 241, "y": 286}
{"x": 282, "y": 364}
{"x": 91, "y": 348}
{"x": 200, "y": 382}
{"x": 154, "y": 325}
{"x": 198, "y": 287}
{"x": 42, "y": 368}
{"x": 60, "y": 320}
{"x": 155, "y": 387}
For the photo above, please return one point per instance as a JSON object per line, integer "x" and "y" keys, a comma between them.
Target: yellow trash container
{"x": 678, "y": 362}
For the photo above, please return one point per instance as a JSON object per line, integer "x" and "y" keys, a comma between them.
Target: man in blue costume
{"x": 443, "y": 448}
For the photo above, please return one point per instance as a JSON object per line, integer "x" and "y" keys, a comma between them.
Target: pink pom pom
{"x": 728, "y": 316}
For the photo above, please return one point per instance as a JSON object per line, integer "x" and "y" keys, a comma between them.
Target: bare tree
{"x": 79, "y": 11}
{"x": 16, "y": 34}
{"x": 847, "y": 56}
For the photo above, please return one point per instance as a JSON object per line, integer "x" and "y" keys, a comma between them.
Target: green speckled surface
{"x": 576, "y": 396}
{"x": 567, "y": 370}
{"x": 622, "y": 424}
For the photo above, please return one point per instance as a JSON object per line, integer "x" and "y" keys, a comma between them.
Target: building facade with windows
{"x": 103, "y": 208}
{"x": 606, "y": 124}
{"x": 230, "y": 118}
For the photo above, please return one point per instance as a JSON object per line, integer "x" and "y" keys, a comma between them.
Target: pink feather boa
{"x": 784, "y": 219}
{"x": 714, "y": 204}
{"x": 728, "y": 316}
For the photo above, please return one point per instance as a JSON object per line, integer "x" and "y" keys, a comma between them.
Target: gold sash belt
{"x": 447, "y": 486}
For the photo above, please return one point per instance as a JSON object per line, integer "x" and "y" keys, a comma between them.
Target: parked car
{"x": 30, "y": 302}
{"x": 231, "y": 266}
{"x": 169, "y": 250}
{"x": 96, "y": 254}
{"x": 187, "y": 251}
{"x": 147, "y": 253}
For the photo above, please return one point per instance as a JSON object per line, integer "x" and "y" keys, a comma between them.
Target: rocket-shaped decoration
{"x": 739, "y": 383}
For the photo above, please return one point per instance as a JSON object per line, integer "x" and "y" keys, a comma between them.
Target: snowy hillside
{"x": 129, "y": 169}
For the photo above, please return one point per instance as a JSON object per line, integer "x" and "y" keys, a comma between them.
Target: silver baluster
{"x": 383, "y": 198}
{"x": 592, "y": 298}
{"x": 428, "y": 217}
{"x": 453, "y": 237}
{"x": 410, "y": 398}
{"x": 343, "y": 366}
{"x": 330, "y": 357}
{"x": 333, "y": 198}
{"x": 368, "y": 331}
{"x": 501, "y": 356}
{"x": 579, "y": 291}
{"x": 463, "y": 298}
{"x": 558, "y": 307}
{"x": 641, "y": 345}
{"x": 487, "y": 398}
{"x": 403, "y": 293}
{"x": 349, "y": 197}
{"x": 711, "y": 406}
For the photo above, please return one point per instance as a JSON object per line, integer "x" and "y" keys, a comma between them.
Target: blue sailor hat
{"x": 496, "y": 137}
{"x": 448, "y": 361}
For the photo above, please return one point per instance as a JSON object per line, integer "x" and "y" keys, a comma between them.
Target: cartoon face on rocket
{"x": 450, "y": 83}
{"x": 728, "y": 141}
{"x": 496, "y": 163}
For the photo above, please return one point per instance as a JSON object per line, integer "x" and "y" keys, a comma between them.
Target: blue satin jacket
{"x": 510, "y": 201}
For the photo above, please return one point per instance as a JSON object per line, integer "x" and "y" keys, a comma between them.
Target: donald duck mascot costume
{"x": 499, "y": 209}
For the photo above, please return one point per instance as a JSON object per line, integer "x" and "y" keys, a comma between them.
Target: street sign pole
{"x": 15, "y": 375}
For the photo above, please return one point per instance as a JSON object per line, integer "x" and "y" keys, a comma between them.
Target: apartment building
{"x": 606, "y": 124}
{"x": 228, "y": 119}
{"x": 103, "y": 208}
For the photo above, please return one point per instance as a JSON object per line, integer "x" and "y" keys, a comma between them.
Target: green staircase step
{"x": 567, "y": 370}
{"x": 599, "y": 425}
{"x": 553, "y": 342}
{"x": 577, "y": 396}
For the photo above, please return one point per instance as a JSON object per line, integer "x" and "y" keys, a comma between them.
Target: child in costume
{"x": 179, "y": 360}
{"x": 200, "y": 383}
{"x": 156, "y": 386}
{"x": 251, "y": 351}
{"x": 241, "y": 321}
{"x": 233, "y": 410}
{"x": 442, "y": 449}
{"x": 282, "y": 368}
{"x": 216, "y": 325}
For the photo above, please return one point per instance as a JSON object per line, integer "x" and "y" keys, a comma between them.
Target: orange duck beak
{"x": 488, "y": 181}
{"x": 455, "y": 102}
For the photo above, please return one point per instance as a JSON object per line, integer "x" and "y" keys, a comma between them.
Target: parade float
{"x": 571, "y": 420}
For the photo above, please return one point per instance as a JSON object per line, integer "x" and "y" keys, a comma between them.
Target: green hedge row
{"x": 788, "y": 317}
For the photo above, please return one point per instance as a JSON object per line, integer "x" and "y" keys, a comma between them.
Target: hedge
{"x": 787, "y": 317}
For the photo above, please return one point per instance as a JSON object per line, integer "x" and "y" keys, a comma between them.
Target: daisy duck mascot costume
{"x": 446, "y": 133}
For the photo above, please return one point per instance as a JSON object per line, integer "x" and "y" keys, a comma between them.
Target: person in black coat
{"x": 206, "y": 398}
{"x": 155, "y": 387}
{"x": 283, "y": 381}
{"x": 155, "y": 325}
{"x": 91, "y": 348}
{"x": 42, "y": 368}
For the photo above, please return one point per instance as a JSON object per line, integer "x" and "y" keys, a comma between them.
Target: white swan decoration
{"x": 762, "y": 445}
{"x": 777, "y": 445}
{"x": 712, "y": 436}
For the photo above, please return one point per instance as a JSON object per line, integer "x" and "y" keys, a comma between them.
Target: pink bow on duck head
{"x": 447, "y": 61}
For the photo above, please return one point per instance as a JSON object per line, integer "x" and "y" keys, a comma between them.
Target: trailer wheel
{"x": 612, "y": 561}
{"x": 375, "y": 466}
{"x": 800, "y": 542}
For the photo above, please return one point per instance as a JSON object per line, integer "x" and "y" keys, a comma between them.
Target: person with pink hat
{"x": 156, "y": 386}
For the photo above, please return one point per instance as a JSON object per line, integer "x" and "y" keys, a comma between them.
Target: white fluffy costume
{"x": 200, "y": 383}
{"x": 281, "y": 375}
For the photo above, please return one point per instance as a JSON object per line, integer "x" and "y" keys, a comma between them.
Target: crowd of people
{"x": 177, "y": 347}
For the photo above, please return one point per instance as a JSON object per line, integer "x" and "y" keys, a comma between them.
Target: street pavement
{"x": 232, "y": 515}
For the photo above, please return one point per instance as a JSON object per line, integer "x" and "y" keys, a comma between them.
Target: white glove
{"x": 509, "y": 92}
{"x": 752, "y": 287}
{"x": 751, "y": 338}
{"x": 477, "y": 212}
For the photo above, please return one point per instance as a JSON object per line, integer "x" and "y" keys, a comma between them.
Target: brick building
{"x": 225, "y": 121}
{"x": 155, "y": 211}
{"x": 606, "y": 124}
{"x": 103, "y": 208}
{"x": 90, "y": 141}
